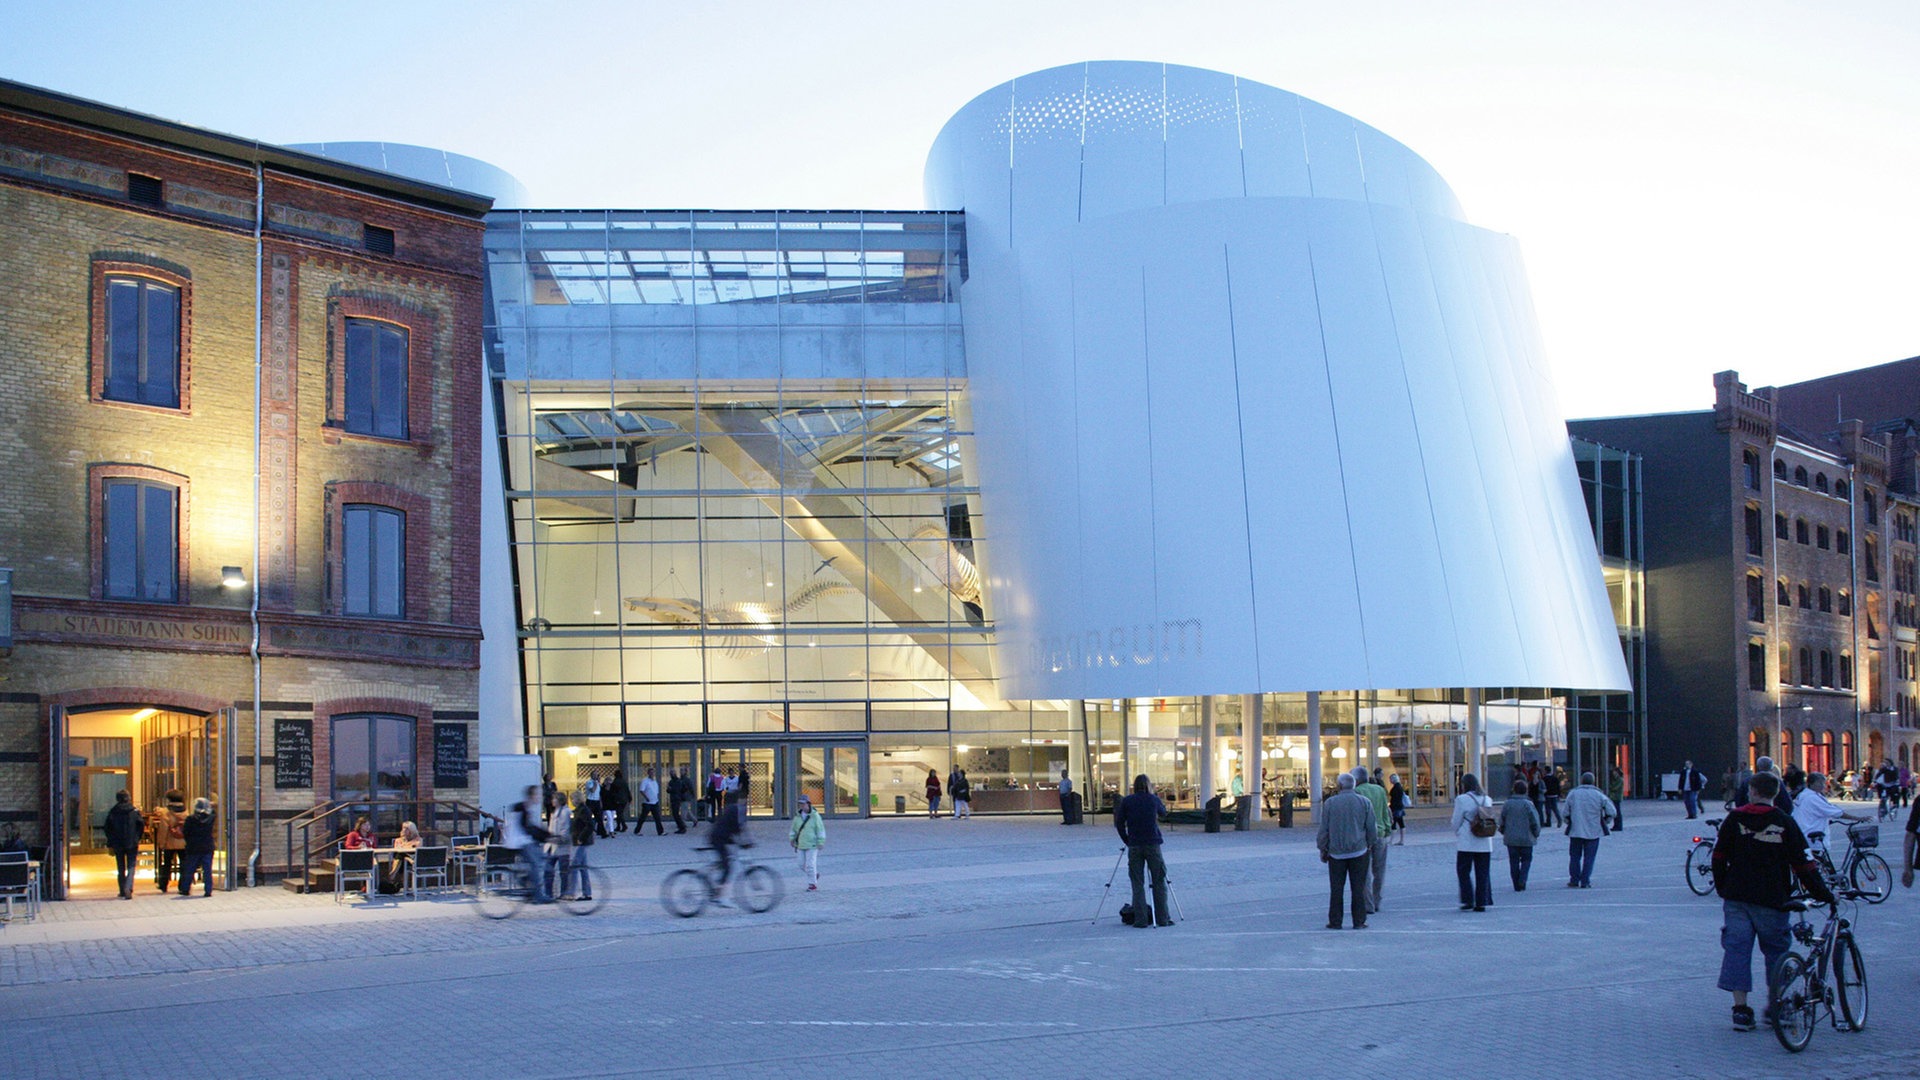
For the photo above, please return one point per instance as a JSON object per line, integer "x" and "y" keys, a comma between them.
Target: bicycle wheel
{"x": 597, "y": 887}
{"x": 1794, "y": 1005}
{"x": 1850, "y": 979}
{"x": 1700, "y": 868}
{"x": 500, "y": 895}
{"x": 760, "y": 889}
{"x": 1872, "y": 875}
{"x": 684, "y": 893}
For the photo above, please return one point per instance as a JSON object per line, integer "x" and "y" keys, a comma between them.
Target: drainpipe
{"x": 253, "y": 606}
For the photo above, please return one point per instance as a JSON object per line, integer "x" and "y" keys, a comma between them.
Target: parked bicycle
{"x": 687, "y": 892}
{"x": 1700, "y": 859}
{"x": 505, "y": 886}
{"x": 1862, "y": 868}
{"x": 1827, "y": 976}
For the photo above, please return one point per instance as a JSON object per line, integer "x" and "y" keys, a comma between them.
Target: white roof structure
{"x": 1257, "y": 410}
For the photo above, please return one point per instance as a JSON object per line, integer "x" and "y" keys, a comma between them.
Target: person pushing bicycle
{"x": 729, "y": 828}
{"x": 1757, "y": 856}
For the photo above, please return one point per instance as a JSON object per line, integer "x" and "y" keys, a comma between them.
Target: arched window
{"x": 1820, "y": 537}
{"x": 1800, "y": 530}
{"x": 1756, "y": 599}
{"x": 1826, "y": 667}
{"x": 1873, "y": 508}
{"x": 1806, "y": 666}
{"x": 1826, "y": 598}
{"x": 1750, "y": 468}
{"x": 1781, "y": 595}
{"x": 1846, "y": 671}
{"x": 1842, "y": 543}
{"x": 1846, "y": 751}
{"x": 1819, "y": 481}
{"x": 1779, "y": 469}
{"x": 1789, "y": 746}
{"x": 1846, "y": 602}
{"x": 1800, "y": 475}
{"x": 1829, "y": 754}
{"x": 1780, "y": 527}
{"x": 1840, "y": 489}
{"x": 1756, "y": 746}
{"x": 1752, "y": 520}
{"x": 1801, "y": 591}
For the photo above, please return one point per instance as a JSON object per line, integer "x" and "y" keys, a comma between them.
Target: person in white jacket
{"x": 1813, "y": 811}
{"x": 1588, "y": 812}
{"x": 1472, "y": 855}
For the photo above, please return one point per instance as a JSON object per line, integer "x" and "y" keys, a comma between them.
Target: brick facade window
{"x": 140, "y": 331}
{"x": 377, "y": 542}
{"x": 373, "y": 572}
{"x": 379, "y": 368}
{"x": 138, "y": 533}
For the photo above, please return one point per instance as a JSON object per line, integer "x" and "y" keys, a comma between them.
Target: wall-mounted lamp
{"x": 233, "y": 577}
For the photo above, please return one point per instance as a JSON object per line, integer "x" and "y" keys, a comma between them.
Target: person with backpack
{"x": 168, "y": 840}
{"x": 1589, "y": 812}
{"x": 807, "y": 836}
{"x": 1474, "y": 827}
{"x": 124, "y": 828}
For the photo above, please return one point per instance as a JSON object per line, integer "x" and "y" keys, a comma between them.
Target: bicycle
{"x": 687, "y": 892}
{"x": 1863, "y": 869}
{"x": 1803, "y": 990}
{"x": 506, "y": 885}
{"x": 1700, "y": 860}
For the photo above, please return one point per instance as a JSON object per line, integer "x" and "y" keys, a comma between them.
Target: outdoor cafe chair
{"x": 17, "y": 883}
{"x": 355, "y": 866}
{"x": 429, "y": 865}
{"x": 469, "y": 852}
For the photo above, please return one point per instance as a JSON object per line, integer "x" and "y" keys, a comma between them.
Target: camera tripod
{"x": 1173, "y": 901}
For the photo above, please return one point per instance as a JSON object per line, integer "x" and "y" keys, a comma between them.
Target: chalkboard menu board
{"x": 292, "y": 753}
{"x": 450, "y": 755}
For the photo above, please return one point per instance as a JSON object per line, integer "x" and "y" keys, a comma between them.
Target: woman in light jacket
{"x": 1520, "y": 827}
{"x": 808, "y": 835}
{"x": 560, "y": 846}
{"x": 1473, "y": 855}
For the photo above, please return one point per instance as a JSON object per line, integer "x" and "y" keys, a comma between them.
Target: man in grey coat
{"x": 1345, "y": 840}
{"x": 1588, "y": 811}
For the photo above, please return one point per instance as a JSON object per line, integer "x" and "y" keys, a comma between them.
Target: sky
{"x": 1695, "y": 186}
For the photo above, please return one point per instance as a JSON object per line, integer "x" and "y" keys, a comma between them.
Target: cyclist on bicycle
{"x": 1885, "y": 783}
{"x": 1812, "y": 811}
{"x": 521, "y": 829}
{"x": 729, "y": 827}
{"x": 1757, "y": 856}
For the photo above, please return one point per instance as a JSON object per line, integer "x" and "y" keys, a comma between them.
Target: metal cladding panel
{"x": 1299, "y": 438}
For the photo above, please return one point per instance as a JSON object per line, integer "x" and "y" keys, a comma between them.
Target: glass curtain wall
{"x": 738, "y": 449}
{"x": 1614, "y": 726}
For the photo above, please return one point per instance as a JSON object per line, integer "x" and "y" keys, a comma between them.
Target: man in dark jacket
{"x": 198, "y": 856}
{"x": 1137, "y": 819}
{"x": 617, "y": 796}
{"x": 1692, "y": 783}
{"x": 1757, "y": 856}
{"x": 124, "y": 828}
{"x": 679, "y": 793}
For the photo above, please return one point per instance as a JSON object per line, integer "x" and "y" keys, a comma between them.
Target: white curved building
{"x": 1192, "y": 433}
{"x": 1256, "y": 409}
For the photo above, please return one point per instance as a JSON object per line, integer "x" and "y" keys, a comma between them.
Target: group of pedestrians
{"x": 182, "y": 841}
{"x": 958, "y": 788}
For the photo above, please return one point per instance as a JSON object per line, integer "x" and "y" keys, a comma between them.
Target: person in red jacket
{"x": 1756, "y": 858}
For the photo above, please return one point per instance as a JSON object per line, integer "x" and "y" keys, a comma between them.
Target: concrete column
{"x": 1313, "y": 753}
{"x": 1474, "y": 762}
{"x": 1206, "y": 749}
{"x": 1250, "y": 748}
{"x": 1084, "y": 773}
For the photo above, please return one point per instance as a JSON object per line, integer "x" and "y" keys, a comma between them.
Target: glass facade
{"x": 742, "y": 516}
{"x": 1610, "y": 729}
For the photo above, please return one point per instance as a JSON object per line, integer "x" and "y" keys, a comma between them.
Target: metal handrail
{"x": 462, "y": 817}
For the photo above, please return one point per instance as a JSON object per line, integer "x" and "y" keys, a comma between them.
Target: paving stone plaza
{"x": 944, "y": 947}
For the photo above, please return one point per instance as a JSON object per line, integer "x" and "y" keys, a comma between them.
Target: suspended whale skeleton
{"x": 947, "y": 564}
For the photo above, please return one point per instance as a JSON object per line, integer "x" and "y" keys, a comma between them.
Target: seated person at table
{"x": 394, "y": 877}
{"x": 360, "y": 837}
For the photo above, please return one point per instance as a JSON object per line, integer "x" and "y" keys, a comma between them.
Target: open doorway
{"x": 146, "y": 751}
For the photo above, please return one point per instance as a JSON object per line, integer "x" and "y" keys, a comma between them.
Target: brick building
{"x": 1780, "y": 571}
{"x": 239, "y": 497}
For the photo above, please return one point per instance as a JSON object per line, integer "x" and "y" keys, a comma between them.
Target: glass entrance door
{"x": 760, "y": 765}
{"x": 832, "y": 776}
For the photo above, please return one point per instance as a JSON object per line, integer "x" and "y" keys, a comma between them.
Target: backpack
{"x": 1483, "y": 824}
